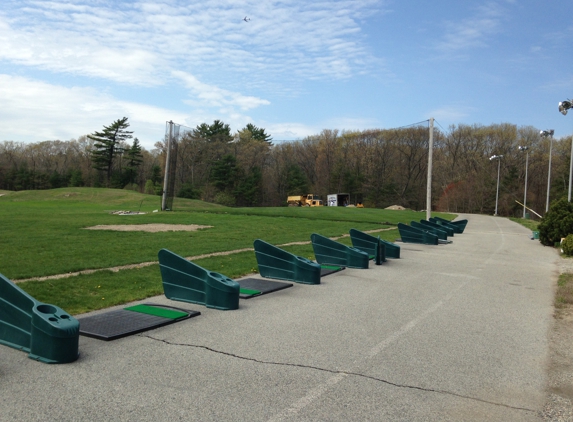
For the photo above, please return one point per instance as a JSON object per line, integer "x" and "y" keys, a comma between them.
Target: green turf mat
{"x": 330, "y": 267}
{"x": 249, "y": 292}
{"x": 161, "y": 312}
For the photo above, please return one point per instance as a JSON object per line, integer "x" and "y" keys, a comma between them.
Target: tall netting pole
{"x": 430, "y": 164}
{"x": 167, "y": 161}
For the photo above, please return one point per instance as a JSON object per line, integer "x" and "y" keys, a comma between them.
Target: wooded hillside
{"x": 377, "y": 167}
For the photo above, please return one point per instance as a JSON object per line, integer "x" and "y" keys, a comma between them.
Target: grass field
{"x": 44, "y": 233}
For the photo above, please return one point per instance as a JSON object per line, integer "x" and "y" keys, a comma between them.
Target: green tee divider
{"x": 279, "y": 264}
{"x": 369, "y": 244}
{"x": 455, "y": 228}
{"x": 392, "y": 250}
{"x": 460, "y": 224}
{"x": 413, "y": 235}
{"x": 449, "y": 231}
{"x": 46, "y": 332}
{"x": 440, "y": 233}
{"x": 328, "y": 251}
{"x": 188, "y": 282}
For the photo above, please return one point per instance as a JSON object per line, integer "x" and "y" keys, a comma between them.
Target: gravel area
{"x": 559, "y": 405}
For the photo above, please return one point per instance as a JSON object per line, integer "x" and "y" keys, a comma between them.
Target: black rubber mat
{"x": 122, "y": 323}
{"x": 263, "y": 286}
{"x": 327, "y": 269}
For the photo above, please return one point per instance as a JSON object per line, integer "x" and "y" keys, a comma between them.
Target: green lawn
{"x": 44, "y": 233}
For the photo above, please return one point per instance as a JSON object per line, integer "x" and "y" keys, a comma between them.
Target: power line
{"x": 440, "y": 125}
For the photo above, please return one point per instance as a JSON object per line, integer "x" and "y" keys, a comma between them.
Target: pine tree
{"x": 107, "y": 145}
{"x": 133, "y": 158}
{"x": 257, "y": 133}
{"x": 218, "y": 131}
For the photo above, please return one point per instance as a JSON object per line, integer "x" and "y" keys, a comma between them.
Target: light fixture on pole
{"x": 526, "y": 149}
{"x": 498, "y": 158}
{"x": 544, "y": 134}
{"x": 563, "y": 107}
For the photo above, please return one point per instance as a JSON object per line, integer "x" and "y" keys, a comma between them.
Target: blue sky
{"x": 67, "y": 68}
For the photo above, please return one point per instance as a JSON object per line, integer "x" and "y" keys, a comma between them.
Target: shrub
{"x": 188, "y": 191}
{"x": 567, "y": 245}
{"x": 149, "y": 188}
{"x": 224, "y": 198}
{"x": 557, "y": 223}
{"x": 152, "y": 188}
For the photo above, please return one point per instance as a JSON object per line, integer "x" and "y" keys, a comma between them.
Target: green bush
{"x": 224, "y": 198}
{"x": 557, "y": 223}
{"x": 152, "y": 188}
{"x": 188, "y": 191}
{"x": 567, "y": 245}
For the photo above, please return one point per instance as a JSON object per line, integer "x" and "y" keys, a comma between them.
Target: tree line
{"x": 378, "y": 167}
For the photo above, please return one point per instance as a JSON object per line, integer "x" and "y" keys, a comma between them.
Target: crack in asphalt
{"x": 333, "y": 371}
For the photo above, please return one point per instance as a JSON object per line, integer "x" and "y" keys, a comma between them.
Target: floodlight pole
{"x": 429, "y": 183}
{"x": 498, "y": 158}
{"x": 570, "y": 171}
{"x": 497, "y": 191}
{"x": 166, "y": 176}
{"x": 549, "y": 133}
{"x": 526, "y": 149}
{"x": 564, "y": 106}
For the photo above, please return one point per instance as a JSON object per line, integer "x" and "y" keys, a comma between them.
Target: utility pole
{"x": 167, "y": 159}
{"x": 429, "y": 183}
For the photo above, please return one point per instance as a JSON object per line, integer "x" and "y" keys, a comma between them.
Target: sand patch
{"x": 151, "y": 228}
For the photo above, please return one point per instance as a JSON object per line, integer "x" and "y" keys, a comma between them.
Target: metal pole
{"x": 570, "y": 171}
{"x": 497, "y": 191}
{"x": 525, "y": 194}
{"x": 167, "y": 159}
{"x": 549, "y": 174}
{"x": 429, "y": 183}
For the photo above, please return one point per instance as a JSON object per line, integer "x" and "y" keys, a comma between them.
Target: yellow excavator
{"x": 308, "y": 200}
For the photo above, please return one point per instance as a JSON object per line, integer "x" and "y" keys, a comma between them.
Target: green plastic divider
{"x": 371, "y": 245}
{"x": 328, "y": 251}
{"x": 46, "y": 332}
{"x": 413, "y": 235}
{"x": 392, "y": 250}
{"x": 157, "y": 311}
{"x": 279, "y": 264}
{"x": 448, "y": 230}
{"x": 455, "y": 228}
{"x": 186, "y": 281}
{"x": 442, "y": 235}
{"x": 461, "y": 224}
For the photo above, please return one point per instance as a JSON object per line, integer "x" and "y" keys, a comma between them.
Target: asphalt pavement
{"x": 455, "y": 332}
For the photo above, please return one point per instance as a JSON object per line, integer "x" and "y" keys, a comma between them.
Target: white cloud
{"x": 213, "y": 96}
{"x": 472, "y": 32}
{"x": 451, "y": 114}
{"x": 35, "y": 111}
{"x": 290, "y": 131}
{"x": 204, "y": 47}
{"x": 140, "y": 43}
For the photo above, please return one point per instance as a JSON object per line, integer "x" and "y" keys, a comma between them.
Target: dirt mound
{"x": 152, "y": 228}
{"x": 395, "y": 207}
